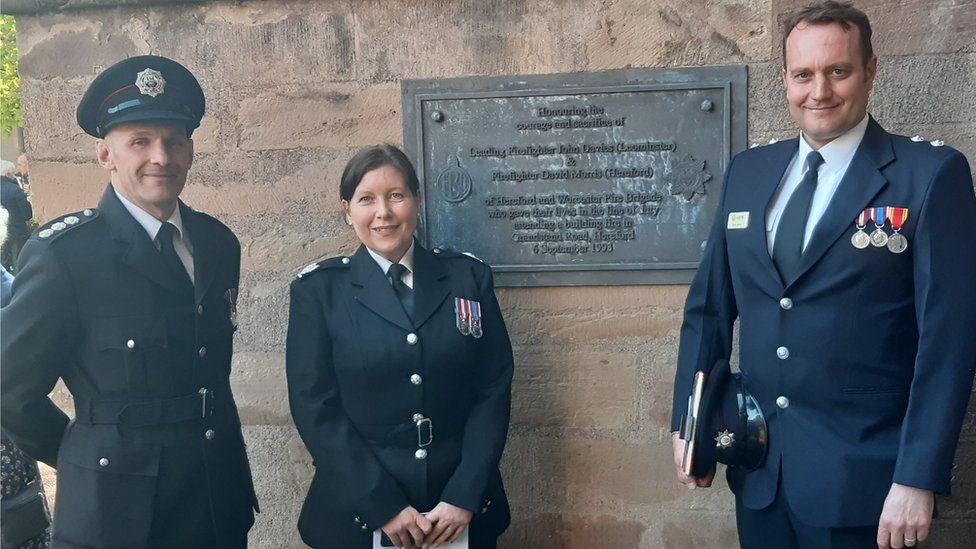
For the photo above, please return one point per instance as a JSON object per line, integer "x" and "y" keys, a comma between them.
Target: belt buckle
{"x": 420, "y": 432}
{"x": 206, "y": 402}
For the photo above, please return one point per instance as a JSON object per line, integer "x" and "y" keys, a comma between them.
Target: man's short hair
{"x": 7, "y": 168}
{"x": 825, "y": 13}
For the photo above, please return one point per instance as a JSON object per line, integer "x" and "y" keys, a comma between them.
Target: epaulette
{"x": 934, "y": 142}
{"x": 331, "y": 263}
{"x": 772, "y": 141}
{"x": 445, "y": 253}
{"x": 54, "y": 229}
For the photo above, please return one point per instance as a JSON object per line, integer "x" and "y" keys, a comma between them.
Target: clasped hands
{"x": 443, "y": 524}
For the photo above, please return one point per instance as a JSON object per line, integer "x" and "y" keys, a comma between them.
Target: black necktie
{"x": 404, "y": 293}
{"x": 164, "y": 239}
{"x": 788, "y": 245}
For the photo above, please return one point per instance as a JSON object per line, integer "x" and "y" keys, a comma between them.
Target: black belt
{"x": 146, "y": 412}
{"x": 418, "y": 434}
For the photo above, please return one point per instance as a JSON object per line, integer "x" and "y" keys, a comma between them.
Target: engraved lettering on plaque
{"x": 613, "y": 173}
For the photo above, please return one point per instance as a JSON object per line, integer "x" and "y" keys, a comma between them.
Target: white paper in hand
{"x": 382, "y": 542}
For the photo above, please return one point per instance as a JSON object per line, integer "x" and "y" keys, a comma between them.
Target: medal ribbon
{"x": 898, "y": 217}
{"x": 879, "y": 216}
{"x": 460, "y": 311}
{"x": 862, "y": 218}
{"x": 476, "y": 316}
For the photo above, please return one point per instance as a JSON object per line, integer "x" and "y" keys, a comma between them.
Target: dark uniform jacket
{"x": 359, "y": 369}
{"x": 863, "y": 361}
{"x": 150, "y": 460}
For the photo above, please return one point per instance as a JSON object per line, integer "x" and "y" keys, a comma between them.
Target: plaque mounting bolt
{"x": 707, "y": 105}
{"x": 437, "y": 116}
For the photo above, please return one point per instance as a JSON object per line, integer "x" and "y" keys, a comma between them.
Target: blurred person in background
{"x": 19, "y": 212}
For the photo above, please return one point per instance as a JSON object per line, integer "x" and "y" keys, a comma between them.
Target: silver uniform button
{"x": 345, "y": 260}
{"x": 417, "y": 417}
{"x": 412, "y": 338}
{"x": 783, "y": 353}
{"x": 103, "y": 462}
{"x": 88, "y": 213}
{"x": 202, "y": 352}
{"x": 416, "y": 379}
{"x": 131, "y": 344}
{"x": 209, "y": 434}
{"x": 782, "y": 402}
{"x": 420, "y": 453}
{"x": 436, "y": 250}
{"x": 786, "y": 303}
{"x": 199, "y": 310}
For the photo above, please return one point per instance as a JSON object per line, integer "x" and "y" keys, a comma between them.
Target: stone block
{"x": 260, "y": 390}
{"x": 406, "y": 39}
{"x": 575, "y": 387}
{"x": 59, "y": 188}
{"x": 636, "y": 33}
{"x": 334, "y": 115}
{"x": 905, "y": 28}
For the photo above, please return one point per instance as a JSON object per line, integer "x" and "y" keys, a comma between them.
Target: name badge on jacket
{"x": 738, "y": 220}
{"x": 468, "y": 316}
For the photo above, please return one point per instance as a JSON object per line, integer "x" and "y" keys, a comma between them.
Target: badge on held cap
{"x": 150, "y": 82}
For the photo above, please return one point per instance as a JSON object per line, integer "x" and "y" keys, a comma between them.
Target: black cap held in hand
{"x": 147, "y": 88}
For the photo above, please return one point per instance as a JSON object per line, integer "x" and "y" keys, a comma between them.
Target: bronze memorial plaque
{"x": 576, "y": 179}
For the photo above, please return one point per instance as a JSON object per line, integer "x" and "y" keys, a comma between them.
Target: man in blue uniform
{"x": 133, "y": 305}
{"x": 848, "y": 256}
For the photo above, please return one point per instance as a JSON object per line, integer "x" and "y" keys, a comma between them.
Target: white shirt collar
{"x": 384, "y": 263}
{"x": 838, "y": 153}
{"x": 150, "y": 223}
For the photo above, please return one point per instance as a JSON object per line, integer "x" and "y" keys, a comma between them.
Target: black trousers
{"x": 777, "y": 526}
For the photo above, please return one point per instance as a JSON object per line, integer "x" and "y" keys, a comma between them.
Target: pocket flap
{"x": 102, "y": 449}
{"x": 129, "y": 333}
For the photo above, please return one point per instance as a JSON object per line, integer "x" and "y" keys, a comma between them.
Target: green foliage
{"x": 10, "y": 116}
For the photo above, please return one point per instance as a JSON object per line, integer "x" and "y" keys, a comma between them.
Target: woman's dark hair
{"x": 825, "y": 13}
{"x": 371, "y": 159}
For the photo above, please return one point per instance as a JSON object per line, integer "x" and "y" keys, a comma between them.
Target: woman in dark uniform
{"x": 399, "y": 377}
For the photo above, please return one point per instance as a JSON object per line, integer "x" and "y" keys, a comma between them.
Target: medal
{"x": 878, "y": 237}
{"x": 468, "y": 316}
{"x": 462, "y": 315}
{"x": 476, "y": 330}
{"x": 897, "y": 243}
{"x": 860, "y": 239}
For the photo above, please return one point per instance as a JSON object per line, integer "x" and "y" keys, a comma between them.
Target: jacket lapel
{"x": 862, "y": 182}
{"x": 430, "y": 284}
{"x": 768, "y": 177}
{"x": 206, "y": 253}
{"x": 373, "y": 290}
{"x": 137, "y": 250}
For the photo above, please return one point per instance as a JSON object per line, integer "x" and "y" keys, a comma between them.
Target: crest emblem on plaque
{"x": 454, "y": 182}
{"x": 688, "y": 177}
{"x": 150, "y": 82}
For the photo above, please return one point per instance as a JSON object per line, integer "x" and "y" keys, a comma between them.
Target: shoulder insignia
{"x": 444, "y": 253}
{"x": 57, "y": 227}
{"x": 330, "y": 263}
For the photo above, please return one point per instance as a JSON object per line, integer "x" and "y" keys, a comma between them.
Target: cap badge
{"x": 150, "y": 82}
{"x": 724, "y": 440}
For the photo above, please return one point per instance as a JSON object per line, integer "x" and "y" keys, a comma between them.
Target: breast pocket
{"x": 126, "y": 349}
{"x": 106, "y": 488}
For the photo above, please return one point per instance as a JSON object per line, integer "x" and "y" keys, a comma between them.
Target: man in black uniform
{"x": 133, "y": 305}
